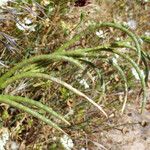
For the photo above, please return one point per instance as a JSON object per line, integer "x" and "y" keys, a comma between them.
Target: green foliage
{"x": 83, "y": 59}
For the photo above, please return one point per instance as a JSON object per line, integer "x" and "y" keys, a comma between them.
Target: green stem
{"x": 125, "y": 83}
{"x": 53, "y": 56}
{"x": 37, "y": 104}
{"x": 98, "y": 25}
{"x": 109, "y": 49}
{"x": 142, "y": 78}
{"x": 45, "y": 76}
{"x": 30, "y": 111}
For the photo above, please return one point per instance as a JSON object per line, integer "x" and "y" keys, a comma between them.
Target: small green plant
{"x": 77, "y": 57}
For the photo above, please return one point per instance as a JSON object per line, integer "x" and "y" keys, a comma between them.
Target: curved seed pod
{"x": 45, "y": 76}
{"x": 124, "y": 56}
{"x": 31, "y": 112}
{"x": 37, "y": 104}
{"x": 119, "y": 69}
{"x": 40, "y": 58}
{"x": 91, "y": 28}
{"x": 144, "y": 56}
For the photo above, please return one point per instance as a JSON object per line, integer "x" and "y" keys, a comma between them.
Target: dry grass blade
{"x": 45, "y": 76}
{"x": 78, "y": 93}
